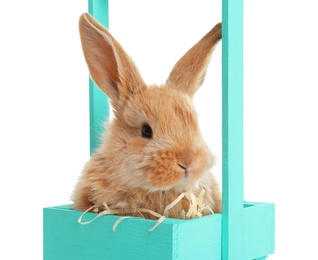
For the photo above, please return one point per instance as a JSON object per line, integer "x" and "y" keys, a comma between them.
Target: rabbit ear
{"x": 189, "y": 72}
{"x": 113, "y": 71}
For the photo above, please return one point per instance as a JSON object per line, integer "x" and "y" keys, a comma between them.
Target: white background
{"x": 44, "y": 105}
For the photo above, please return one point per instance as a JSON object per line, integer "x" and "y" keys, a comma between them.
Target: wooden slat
{"x": 259, "y": 230}
{"x": 174, "y": 239}
{"x": 232, "y": 88}
{"x": 98, "y": 101}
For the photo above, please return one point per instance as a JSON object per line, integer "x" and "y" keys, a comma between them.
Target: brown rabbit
{"x": 153, "y": 149}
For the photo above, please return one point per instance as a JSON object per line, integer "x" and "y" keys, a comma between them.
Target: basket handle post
{"x": 98, "y": 101}
{"x": 232, "y": 130}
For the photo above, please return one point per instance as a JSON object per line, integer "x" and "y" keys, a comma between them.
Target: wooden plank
{"x": 98, "y": 101}
{"x": 259, "y": 230}
{"x": 65, "y": 238}
{"x": 232, "y": 135}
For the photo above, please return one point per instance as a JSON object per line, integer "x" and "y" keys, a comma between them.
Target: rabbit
{"x": 153, "y": 149}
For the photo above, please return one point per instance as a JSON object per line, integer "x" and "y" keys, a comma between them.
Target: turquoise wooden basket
{"x": 244, "y": 230}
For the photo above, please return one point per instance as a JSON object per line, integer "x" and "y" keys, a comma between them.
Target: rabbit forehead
{"x": 162, "y": 108}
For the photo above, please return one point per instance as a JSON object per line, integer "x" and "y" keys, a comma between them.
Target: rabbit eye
{"x": 146, "y": 131}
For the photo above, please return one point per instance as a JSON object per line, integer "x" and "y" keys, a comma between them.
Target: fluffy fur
{"x": 129, "y": 170}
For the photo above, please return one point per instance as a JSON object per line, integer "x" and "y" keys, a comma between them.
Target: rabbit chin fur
{"x": 130, "y": 171}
